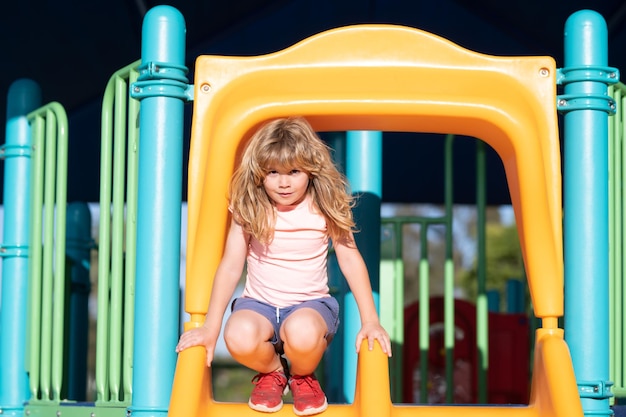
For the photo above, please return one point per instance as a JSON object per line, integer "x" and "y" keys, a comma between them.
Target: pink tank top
{"x": 292, "y": 268}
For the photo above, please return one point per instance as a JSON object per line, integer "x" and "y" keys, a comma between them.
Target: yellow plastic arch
{"x": 387, "y": 78}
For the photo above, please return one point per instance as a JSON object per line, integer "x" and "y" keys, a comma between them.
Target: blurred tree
{"x": 503, "y": 262}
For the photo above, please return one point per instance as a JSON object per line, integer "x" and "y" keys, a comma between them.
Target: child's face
{"x": 286, "y": 187}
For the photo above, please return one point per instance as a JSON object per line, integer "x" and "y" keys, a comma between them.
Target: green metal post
{"x": 482, "y": 311}
{"x": 448, "y": 277}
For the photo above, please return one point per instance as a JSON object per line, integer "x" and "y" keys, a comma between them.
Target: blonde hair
{"x": 289, "y": 143}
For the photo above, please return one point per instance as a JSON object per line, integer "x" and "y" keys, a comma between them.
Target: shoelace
{"x": 308, "y": 380}
{"x": 268, "y": 380}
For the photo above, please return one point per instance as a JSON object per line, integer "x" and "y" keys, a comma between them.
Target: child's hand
{"x": 199, "y": 336}
{"x": 371, "y": 332}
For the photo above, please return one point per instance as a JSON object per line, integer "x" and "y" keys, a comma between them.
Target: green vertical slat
{"x": 35, "y": 283}
{"x": 48, "y": 252}
{"x": 58, "y": 135}
{"x": 398, "y": 299}
{"x": 617, "y": 252}
{"x": 482, "y": 318}
{"x": 424, "y": 312}
{"x": 117, "y": 258}
{"x": 390, "y": 301}
{"x": 614, "y": 235}
{"x": 47, "y": 258}
{"x": 131, "y": 237}
{"x": 448, "y": 274}
{"x": 104, "y": 246}
{"x": 621, "y": 251}
{"x": 618, "y": 279}
{"x": 612, "y": 149}
{"x": 117, "y": 239}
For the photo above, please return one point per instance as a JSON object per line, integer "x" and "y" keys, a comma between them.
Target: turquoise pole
{"x": 514, "y": 296}
{"x": 333, "y": 359}
{"x": 23, "y": 97}
{"x": 364, "y": 171}
{"x": 586, "y": 105}
{"x": 161, "y": 88}
{"x": 78, "y": 252}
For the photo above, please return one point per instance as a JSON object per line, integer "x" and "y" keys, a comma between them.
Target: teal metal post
{"x": 515, "y": 296}
{"x": 162, "y": 88}
{"x": 586, "y": 106}
{"x": 333, "y": 358}
{"x": 364, "y": 171}
{"x": 23, "y": 97}
{"x": 78, "y": 251}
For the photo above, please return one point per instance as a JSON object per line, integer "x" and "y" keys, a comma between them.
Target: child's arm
{"x": 354, "y": 270}
{"x": 226, "y": 278}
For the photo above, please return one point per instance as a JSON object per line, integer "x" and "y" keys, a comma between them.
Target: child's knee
{"x": 241, "y": 333}
{"x": 304, "y": 331}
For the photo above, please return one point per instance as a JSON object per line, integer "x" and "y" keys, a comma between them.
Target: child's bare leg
{"x": 247, "y": 335}
{"x": 303, "y": 334}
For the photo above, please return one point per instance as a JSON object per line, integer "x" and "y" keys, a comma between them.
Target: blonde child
{"x": 288, "y": 201}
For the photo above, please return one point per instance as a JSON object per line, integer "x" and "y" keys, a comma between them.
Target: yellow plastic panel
{"x": 387, "y": 78}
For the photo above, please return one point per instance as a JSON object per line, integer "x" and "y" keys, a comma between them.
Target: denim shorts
{"x": 327, "y": 307}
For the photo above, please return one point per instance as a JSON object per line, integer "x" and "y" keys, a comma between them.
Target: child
{"x": 287, "y": 200}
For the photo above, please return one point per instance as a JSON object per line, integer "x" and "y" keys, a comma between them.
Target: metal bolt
{"x": 544, "y": 72}
{"x": 612, "y": 75}
{"x": 58, "y": 413}
{"x": 136, "y": 89}
{"x": 562, "y": 102}
{"x": 206, "y": 88}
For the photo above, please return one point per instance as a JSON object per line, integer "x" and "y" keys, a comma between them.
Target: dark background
{"x": 71, "y": 48}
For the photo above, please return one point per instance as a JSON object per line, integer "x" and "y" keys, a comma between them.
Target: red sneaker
{"x": 308, "y": 397}
{"x": 267, "y": 395}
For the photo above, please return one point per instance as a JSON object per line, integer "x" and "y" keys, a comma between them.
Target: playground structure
{"x": 426, "y": 84}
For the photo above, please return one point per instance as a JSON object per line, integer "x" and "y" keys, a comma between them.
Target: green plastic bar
{"x": 424, "y": 297}
{"x": 398, "y": 305}
{"x": 424, "y": 311}
{"x": 619, "y": 248}
{"x": 621, "y": 252}
{"x": 56, "y": 113}
{"x": 619, "y": 236}
{"x": 117, "y": 232}
{"x": 104, "y": 245}
{"x": 47, "y": 311}
{"x": 35, "y": 284}
{"x": 482, "y": 318}
{"x": 132, "y": 184}
{"x": 617, "y": 231}
{"x": 116, "y": 270}
{"x": 613, "y": 148}
{"x": 392, "y": 301}
{"x": 448, "y": 272}
{"x": 398, "y": 297}
{"x": 48, "y": 252}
